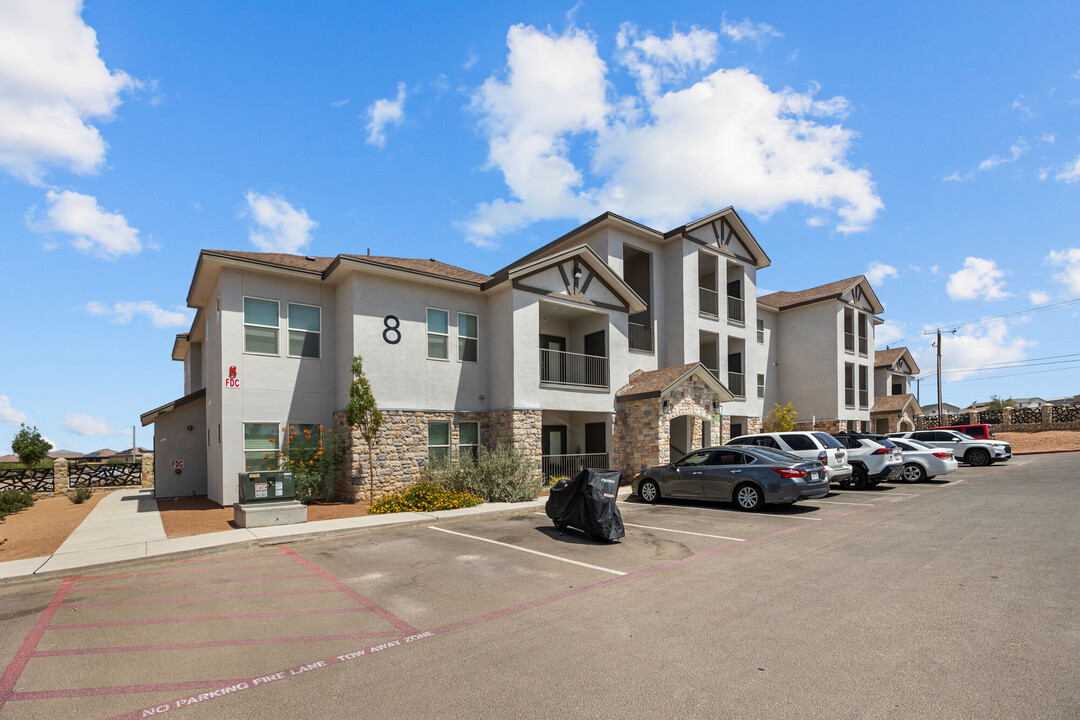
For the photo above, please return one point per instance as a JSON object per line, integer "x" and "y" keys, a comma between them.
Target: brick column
{"x": 60, "y": 476}
{"x": 1047, "y": 414}
{"x": 148, "y": 470}
{"x": 1006, "y": 416}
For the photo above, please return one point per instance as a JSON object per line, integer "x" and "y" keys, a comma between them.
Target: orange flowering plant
{"x": 313, "y": 457}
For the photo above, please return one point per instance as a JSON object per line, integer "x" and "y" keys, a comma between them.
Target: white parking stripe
{"x": 684, "y": 532}
{"x": 534, "y": 552}
{"x": 746, "y": 515}
{"x": 835, "y": 502}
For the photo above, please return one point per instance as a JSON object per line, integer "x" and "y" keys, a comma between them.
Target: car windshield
{"x": 777, "y": 455}
{"x": 886, "y": 442}
{"x": 916, "y": 445}
{"x": 827, "y": 440}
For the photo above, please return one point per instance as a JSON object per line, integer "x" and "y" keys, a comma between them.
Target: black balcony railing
{"x": 640, "y": 337}
{"x": 737, "y": 384}
{"x": 708, "y": 302}
{"x": 558, "y": 367}
{"x": 557, "y": 467}
{"x": 735, "y": 311}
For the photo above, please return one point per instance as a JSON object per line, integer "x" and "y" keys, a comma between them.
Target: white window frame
{"x": 760, "y": 331}
{"x": 463, "y": 338}
{"x": 854, "y": 388}
{"x": 277, "y": 328}
{"x": 449, "y": 438}
{"x": 863, "y": 381}
{"x": 761, "y": 385}
{"x": 862, "y": 333}
{"x": 475, "y": 448}
{"x": 288, "y": 329}
{"x": 243, "y": 442}
{"x": 850, "y": 312}
{"x": 427, "y": 337}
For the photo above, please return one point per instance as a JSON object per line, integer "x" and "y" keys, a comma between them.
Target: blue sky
{"x": 937, "y": 148}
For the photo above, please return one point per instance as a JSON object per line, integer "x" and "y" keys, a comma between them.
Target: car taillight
{"x": 789, "y": 472}
{"x": 943, "y": 456}
{"x": 881, "y": 451}
{"x": 823, "y": 457}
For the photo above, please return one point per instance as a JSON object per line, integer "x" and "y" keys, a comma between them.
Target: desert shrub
{"x": 500, "y": 475}
{"x": 12, "y": 501}
{"x": 80, "y": 495}
{"x": 425, "y": 496}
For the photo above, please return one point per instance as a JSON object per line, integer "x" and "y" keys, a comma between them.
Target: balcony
{"x": 640, "y": 337}
{"x": 568, "y": 369}
{"x": 557, "y": 467}
{"x": 708, "y": 302}
{"x": 735, "y": 312}
{"x": 737, "y": 384}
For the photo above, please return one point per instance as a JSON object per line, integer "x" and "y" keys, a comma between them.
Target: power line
{"x": 1029, "y": 362}
{"x": 1032, "y": 372}
{"x": 1033, "y": 309}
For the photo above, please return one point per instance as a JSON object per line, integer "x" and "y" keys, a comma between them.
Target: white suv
{"x": 873, "y": 459}
{"x": 811, "y": 445}
{"x": 966, "y": 448}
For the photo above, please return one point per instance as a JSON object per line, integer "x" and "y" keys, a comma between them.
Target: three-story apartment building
{"x": 615, "y": 345}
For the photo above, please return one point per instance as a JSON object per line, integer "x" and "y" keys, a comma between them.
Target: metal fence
{"x": 640, "y": 337}
{"x": 736, "y": 384}
{"x": 1065, "y": 413}
{"x": 105, "y": 475}
{"x": 558, "y": 367}
{"x": 708, "y": 302}
{"x": 557, "y": 467}
{"x": 21, "y": 479}
{"x": 735, "y": 309}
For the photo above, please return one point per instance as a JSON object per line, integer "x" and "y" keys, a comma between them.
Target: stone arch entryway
{"x": 687, "y": 397}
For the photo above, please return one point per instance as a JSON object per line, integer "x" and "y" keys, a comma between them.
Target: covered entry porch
{"x": 572, "y": 440}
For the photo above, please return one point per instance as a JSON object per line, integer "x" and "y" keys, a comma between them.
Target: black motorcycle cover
{"x": 587, "y": 502}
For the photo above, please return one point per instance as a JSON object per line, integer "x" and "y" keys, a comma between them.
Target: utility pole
{"x": 938, "y": 346}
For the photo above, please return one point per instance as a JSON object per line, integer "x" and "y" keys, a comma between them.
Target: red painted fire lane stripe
{"x": 349, "y": 657}
{"x": 211, "y": 581}
{"x": 184, "y": 572}
{"x": 119, "y": 690}
{"x": 18, "y": 663}
{"x": 207, "y": 618}
{"x": 192, "y": 598}
{"x": 384, "y": 614}
{"x": 212, "y": 644}
{"x": 236, "y": 557}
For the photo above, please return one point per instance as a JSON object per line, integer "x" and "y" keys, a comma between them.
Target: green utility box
{"x": 267, "y": 486}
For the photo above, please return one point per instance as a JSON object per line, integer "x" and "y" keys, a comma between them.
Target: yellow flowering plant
{"x": 424, "y": 496}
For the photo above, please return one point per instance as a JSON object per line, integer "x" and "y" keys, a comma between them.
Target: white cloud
{"x": 52, "y": 84}
{"x": 1018, "y": 104}
{"x": 87, "y": 425}
{"x": 279, "y": 226}
{"x": 9, "y": 415}
{"x": 757, "y": 33}
{"x": 1038, "y": 297}
{"x": 888, "y": 332}
{"x": 1069, "y": 262}
{"x": 980, "y": 278}
{"x": 1071, "y": 172}
{"x": 981, "y": 344}
{"x": 955, "y": 176}
{"x": 124, "y": 312}
{"x": 817, "y": 221}
{"x": 935, "y": 269}
{"x": 471, "y": 59}
{"x": 385, "y": 112}
{"x": 663, "y": 156}
{"x": 1048, "y": 138}
{"x": 339, "y": 103}
{"x": 876, "y": 272}
{"x": 1016, "y": 151}
{"x": 94, "y": 230}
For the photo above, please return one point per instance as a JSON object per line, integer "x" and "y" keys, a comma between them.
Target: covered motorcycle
{"x": 587, "y": 502}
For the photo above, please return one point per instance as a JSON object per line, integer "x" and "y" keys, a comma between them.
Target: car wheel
{"x": 977, "y": 458}
{"x": 858, "y": 478}
{"x": 914, "y": 473}
{"x": 649, "y": 491}
{"x": 748, "y": 497}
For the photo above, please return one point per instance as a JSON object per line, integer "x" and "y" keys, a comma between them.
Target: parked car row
{"x": 786, "y": 467}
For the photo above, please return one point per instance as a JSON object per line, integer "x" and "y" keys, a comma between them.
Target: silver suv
{"x": 812, "y": 445}
{"x": 966, "y": 448}
{"x": 873, "y": 459}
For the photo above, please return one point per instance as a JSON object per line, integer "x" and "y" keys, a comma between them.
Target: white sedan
{"x": 922, "y": 461}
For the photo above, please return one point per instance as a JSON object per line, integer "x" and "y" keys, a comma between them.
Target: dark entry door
{"x": 552, "y": 365}
{"x": 595, "y": 438}
{"x": 553, "y": 440}
{"x": 596, "y": 344}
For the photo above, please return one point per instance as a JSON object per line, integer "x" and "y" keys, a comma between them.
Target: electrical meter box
{"x": 267, "y": 486}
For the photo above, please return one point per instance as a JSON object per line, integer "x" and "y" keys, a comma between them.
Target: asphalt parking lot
{"x": 941, "y": 599}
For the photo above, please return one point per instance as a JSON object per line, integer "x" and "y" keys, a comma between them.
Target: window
{"x": 798, "y": 442}
{"x": 849, "y": 331}
{"x": 761, "y": 331}
{"x": 826, "y": 440}
{"x": 304, "y": 431}
{"x": 468, "y": 330}
{"x": 863, "y": 334}
{"x": 595, "y": 438}
{"x": 305, "y": 328}
{"x": 260, "y": 446}
{"x": 207, "y": 437}
{"x": 849, "y": 385}
{"x": 864, "y": 387}
{"x": 438, "y": 441}
{"x": 760, "y": 385}
{"x": 261, "y": 326}
{"x": 701, "y": 457}
{"x": 469, "y": 439}
{"x": 438, "y": 334}
{"x": 730, "y": 457}
{"x": 759, "y": 441}
{"x": 219, "y": 433}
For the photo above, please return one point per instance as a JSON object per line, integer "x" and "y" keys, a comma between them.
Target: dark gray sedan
{"x": 748, "y": 476}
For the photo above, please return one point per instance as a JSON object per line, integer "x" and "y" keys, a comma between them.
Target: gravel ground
{"x": 1042, "y": 441}
{"x": 39, "y": 530}
{"x": 196, "y": 516}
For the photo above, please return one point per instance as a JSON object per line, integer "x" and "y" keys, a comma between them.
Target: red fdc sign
{"x": 178, "y": 463}
{"x": 232, "y": 381}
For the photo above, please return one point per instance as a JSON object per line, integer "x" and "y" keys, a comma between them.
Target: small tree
{"x": 996, "y": 404}
{"x": 780, "y": 419}
{"x": 363, "y": 414}
{"x": 30, "y": 446}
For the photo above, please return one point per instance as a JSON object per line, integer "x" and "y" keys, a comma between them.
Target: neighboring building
{"x": 896, "y": 408}
{"x": 822, "y": 342}
{"x": 1030, "y": 402}
{"x": 1063, "y": 401}
{"x": 615, "y": 345}
{"x": 947, "y": 408}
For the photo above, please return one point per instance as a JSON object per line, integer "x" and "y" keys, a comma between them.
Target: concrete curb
{"x": 20, "y": 571}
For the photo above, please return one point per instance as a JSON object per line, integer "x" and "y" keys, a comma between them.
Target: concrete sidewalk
{"x": 126, "y": 526}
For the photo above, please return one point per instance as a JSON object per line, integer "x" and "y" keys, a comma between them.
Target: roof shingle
{"x": 653, "y": 382}
{"x": 785, "y": 299}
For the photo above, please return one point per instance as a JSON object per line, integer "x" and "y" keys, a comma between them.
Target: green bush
{"x": 500, "y": 475}
{"x": 425, "y": 496}
{"x": 80, "y": 495}
{"x": 12, "y": 501}
{"x": 314, "y": 458}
